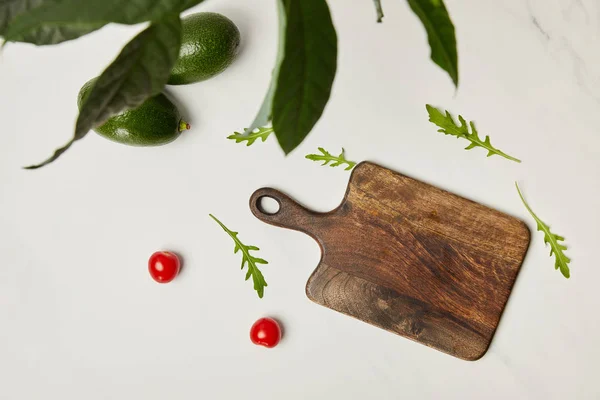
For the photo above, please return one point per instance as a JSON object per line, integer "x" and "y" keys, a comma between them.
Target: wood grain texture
{"x": 410, "y": 258}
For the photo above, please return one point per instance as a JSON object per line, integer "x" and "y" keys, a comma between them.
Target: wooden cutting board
{"x": 410, "y": 258}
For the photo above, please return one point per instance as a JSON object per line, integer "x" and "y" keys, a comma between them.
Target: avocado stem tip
{"x": 184, "y": 126}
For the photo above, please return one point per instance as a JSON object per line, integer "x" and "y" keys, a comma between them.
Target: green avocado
{"x": 209, "y": 44}
{"x": 156, "y": 122}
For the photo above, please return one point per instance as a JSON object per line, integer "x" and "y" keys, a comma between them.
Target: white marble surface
{"x": 81, "y": 318}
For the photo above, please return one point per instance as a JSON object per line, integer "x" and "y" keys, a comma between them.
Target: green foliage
{"x": 139, "y": 72}
{"x": 253, "y": 271}
{"x": 378, "y": 10}
{"x": 302, "y": 78}
{"x": 250, "y": 138}
{"x": 62, "y": 20}
{"x": 440, "y": 33}
{"x": 264, "y": 115}
{"x": 335, "y": 161}
{"x": 56, "y": 34}
{"x": 556, "y": 248}
{"x": 10, "y": 10}
{"x": 306, "y": 73}
{"x": 449, "y": 127}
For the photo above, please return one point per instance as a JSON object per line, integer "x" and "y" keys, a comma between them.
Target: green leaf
{"x": 327, "y": 158}
{"x": 253, "y": 270}
{"x": 264, "y": 113}
{"x": 449, "y": 127}
{"x": 307, "y": 71}
{"x": 440, "y": 31}
{"x": 10, "y": 9}
{"x": 379, "y": 10}
{"x": 556, "y": 248}
{"x": 77, "y": 17}
{"x": 48, "y": 35}
{"x": 139, "y": 72}
{"x": 260, "y": 133}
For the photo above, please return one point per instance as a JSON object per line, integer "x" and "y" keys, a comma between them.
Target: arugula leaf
{"x": 68, "y": 19}
{"x": 306, "y": 73}
{"x": 260, "y": 133}
{"x": 264, "y": 113}
{"x": 449, "y": 127}
{"x": 327, "y": 158}
{"x": 440, "y": 31}
{"x": 553, "y": 239}
{"x": 257, "y": 276}
{"x": 379, "y": 10}
{"x": 139, "y": 72}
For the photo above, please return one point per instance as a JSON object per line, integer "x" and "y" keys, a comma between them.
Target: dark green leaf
{"x": 47, "y": 35}
{"x": 10, "y": 9}
{"x": 78, "y": 17}
{"x": 139, "y": 72}
{"x": 307, "y": 71}
{"x": 264, "y": 113}
{"x": 379, "y": 10}
{"x": 440, "y": 31}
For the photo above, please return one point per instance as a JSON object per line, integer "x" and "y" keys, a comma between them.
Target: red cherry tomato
{"x": 163, "y": 266}
{"x": 265, "y": 332}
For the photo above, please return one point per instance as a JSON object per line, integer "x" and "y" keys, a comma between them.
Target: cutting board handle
{"x": 290, "y": 215}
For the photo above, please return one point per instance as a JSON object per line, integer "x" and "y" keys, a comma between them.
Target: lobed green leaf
{"x": 250, "y": 138}
{"x": 247, "y": 258}
{"x": 327, "y": 157}
{"x": 557, "y": 249}
{"x": 449, "y": 127}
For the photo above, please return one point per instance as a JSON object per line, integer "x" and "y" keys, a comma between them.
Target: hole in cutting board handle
{"x": 286, "y": 212}
{"x": 268, "y": 205}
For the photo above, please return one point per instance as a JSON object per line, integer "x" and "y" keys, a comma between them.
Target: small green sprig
{"x": 335, "y": 161}
{"x": 253, "y": 271}
{"x": 553, "y": 239}
{"x": 449, "y": 127}
{"x": 250, "y": 138}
